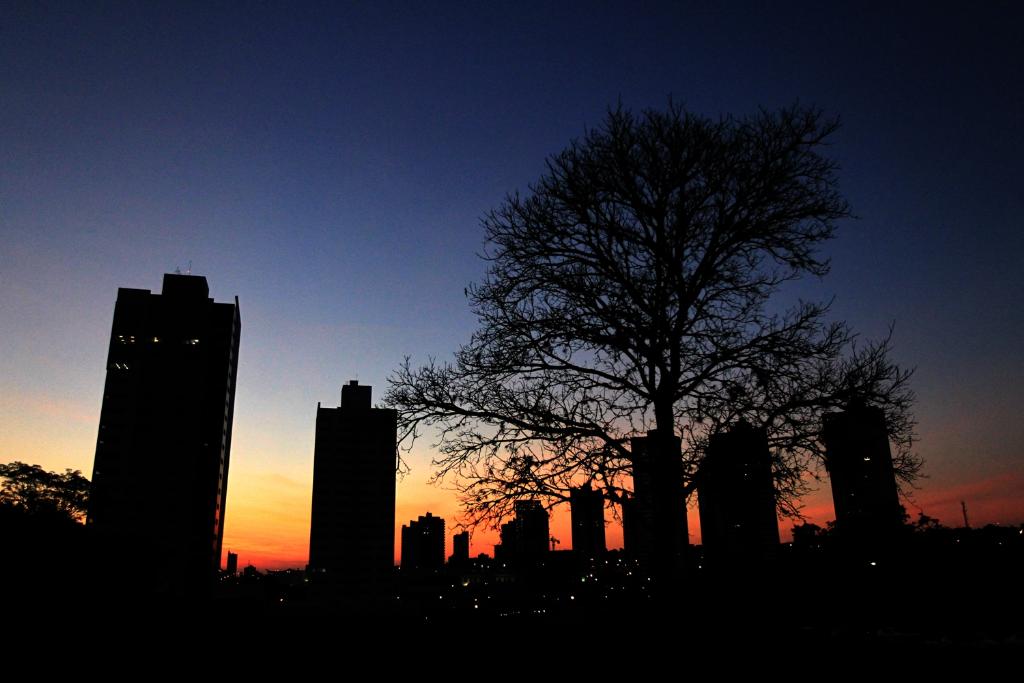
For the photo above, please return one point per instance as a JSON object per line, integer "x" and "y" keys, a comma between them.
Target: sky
{"x": 329, "y": 165}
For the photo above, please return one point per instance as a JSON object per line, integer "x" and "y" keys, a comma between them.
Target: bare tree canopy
{"x": 631, "y": 289}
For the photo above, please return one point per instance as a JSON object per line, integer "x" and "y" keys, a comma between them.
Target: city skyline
{"x": 336, "y": 190}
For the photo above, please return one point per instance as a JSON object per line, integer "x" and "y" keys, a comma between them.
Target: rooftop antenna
{"x": 189, "y": 271}
{"x": 963, "y": 506}
{"x": 177, "y": 270}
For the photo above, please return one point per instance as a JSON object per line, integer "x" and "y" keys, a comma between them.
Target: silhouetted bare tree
{"x": 631, "y": 289}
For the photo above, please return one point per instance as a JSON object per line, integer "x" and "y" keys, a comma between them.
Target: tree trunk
{"x": 670, "y": 504}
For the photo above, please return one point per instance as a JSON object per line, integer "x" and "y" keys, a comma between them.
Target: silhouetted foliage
{"x": 46, "y": 556}
{"x": 631, "y": 289}
{"x": 35, "y": 492}
{"x": 808, "y": 535}
{"x": 926, "y": 523}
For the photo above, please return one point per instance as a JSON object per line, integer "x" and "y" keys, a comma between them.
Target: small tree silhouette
{"x": 35, "y": 492}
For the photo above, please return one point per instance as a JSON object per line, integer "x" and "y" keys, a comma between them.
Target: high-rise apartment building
{"x": 525, "y": 539}
{"x": 460, "y": 548}
{"x": 587, "y": 510}
{"x": 736, "y": 496}
{"x": 423, "y": 544}
{"x": 159, "y": 486}
{"x": 654, "y": 517}
{"x": 352, "y": 534}
{"x": 860, "y": 468}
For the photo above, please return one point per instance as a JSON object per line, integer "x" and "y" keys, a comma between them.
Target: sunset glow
{"x": 329, "y": 166}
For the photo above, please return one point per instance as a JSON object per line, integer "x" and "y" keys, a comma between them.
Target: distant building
{"x": 859, "y": 463}
{"x": 159, "y": 486}
{"x": 654, "y": 518}
{"x": 232, "y": 567}
{"x": 532, "y": 528}
{"x": 505, "y": 549}
{"x": 352, "y": 531}
{"x": 630, "y": 534}
{"x": 423, "y": 544}
{"x": 587, "y": 509}
{"x": 525, "y": 538}
{"x": 736, "y": 496}
{"x": 460, "y": 548}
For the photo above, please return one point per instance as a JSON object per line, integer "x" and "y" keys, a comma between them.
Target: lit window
{"x": 191, "y": 342}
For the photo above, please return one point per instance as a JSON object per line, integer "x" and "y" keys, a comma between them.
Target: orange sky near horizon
{"x": 270, "y": 485}
{"x": 268, "y": 521}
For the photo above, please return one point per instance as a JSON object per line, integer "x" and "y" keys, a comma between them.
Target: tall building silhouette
{"x": 532, "y": 528}
{"x": 423, "y": 544}
{"x": 460, "y": 548}
{"x": 525, "y": 538}
{"x": 657, "y": 535}
{"x": 736, "y": 496}
{"x": 630, "y": 535}
{"x": 587, "y": 511}
{"x": 352, "y": 530}
{"x": 159, "y": 486}
{"x": 232, "y": 564}
{"x": 859, "y": 464}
